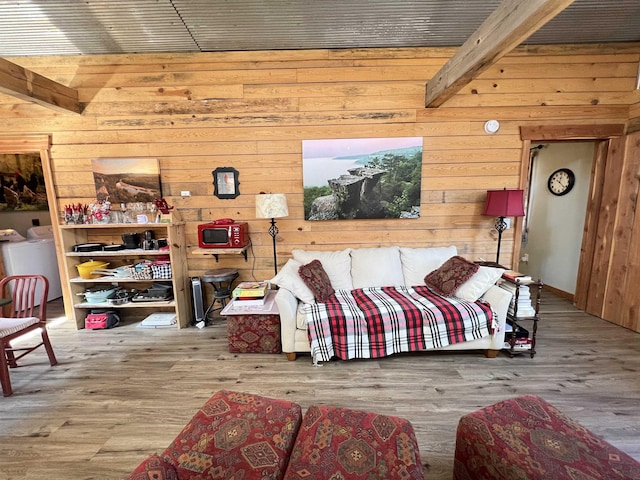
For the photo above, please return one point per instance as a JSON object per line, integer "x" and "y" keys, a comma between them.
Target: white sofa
{"x": 379, "y": 267}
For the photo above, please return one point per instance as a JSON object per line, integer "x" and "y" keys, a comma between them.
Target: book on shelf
{"x": 523, "y": 290}
{"x": 250, "y": 290}
{"x": 520, "y": 344}
{"x": 514, "y": 276}
{"x": 523, "y": 311}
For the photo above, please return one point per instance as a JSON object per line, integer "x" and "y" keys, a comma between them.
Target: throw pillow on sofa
{"x": 376, "y": 267}
{"x": 336, "y": 264}
{"x": 418, "y": 262}
{"x": 314, "y": 277}
{"x": 450, "y": 276}
{"x": 479, "y": 283}
{"x": 288, "y": 278}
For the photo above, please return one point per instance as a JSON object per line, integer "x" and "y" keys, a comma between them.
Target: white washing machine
{"x": 33, "y": 255}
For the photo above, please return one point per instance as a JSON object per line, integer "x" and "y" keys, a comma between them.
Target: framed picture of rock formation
{"x": 363, "y": 178}
{"x": 126, "y": 180}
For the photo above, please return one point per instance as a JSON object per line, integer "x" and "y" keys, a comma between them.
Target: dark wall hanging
{"x": 225, "y": 182}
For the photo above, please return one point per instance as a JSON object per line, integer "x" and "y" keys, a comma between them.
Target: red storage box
{"x": 95, "y": 321}
{"x": 101, "y": 320}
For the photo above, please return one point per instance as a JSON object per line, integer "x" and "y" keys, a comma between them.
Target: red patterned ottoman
{"x": 338, "y": 443}
{"x": 254, "y": 333}
{"x": 234, "y": 435}
{"x": 527, "y": 438}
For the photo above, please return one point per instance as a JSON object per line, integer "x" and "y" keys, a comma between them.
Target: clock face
{"x": 561, "y": 181}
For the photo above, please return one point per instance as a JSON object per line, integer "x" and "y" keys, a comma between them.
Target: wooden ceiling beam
{"x": 26, "y": 85}
{"x": 508, "y": 26}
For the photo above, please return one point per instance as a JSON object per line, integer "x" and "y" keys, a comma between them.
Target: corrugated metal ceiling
{"x": 72, "y": 27}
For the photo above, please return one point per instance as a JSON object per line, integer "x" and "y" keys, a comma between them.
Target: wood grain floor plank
{"x": 119, "y": 395}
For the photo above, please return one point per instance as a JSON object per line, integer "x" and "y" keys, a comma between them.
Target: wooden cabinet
{"x": 111, "y": 234}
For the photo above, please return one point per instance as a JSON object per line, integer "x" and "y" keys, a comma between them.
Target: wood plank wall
{"x": 251, "y": 111}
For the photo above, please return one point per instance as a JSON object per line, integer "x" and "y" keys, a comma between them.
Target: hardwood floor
{"x": 119, "y": 395}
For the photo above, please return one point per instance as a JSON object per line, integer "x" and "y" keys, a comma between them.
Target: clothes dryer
{"x": 35, "y": 255}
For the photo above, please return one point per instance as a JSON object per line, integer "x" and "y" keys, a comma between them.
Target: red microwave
{"x": 223, "y": 233}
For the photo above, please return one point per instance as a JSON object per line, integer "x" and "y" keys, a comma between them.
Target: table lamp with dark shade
{"x": 503, "y": 203}
{"x": 272, "y": 205}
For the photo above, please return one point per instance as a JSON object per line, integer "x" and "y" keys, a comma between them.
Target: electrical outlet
{"x": 185, "y": 193}
{"x": 525, "y": 258}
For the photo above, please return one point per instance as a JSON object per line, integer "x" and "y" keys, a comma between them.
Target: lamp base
{"x": 500, "y": 226}
{"x": 273, "y": 231}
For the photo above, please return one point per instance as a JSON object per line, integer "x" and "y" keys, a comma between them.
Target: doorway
{"x": 598, "y": 258}
{"x": 557, "y": 196}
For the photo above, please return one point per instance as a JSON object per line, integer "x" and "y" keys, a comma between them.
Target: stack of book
{"x": 521, "y": 344}
{"x": 513, "y": 277}
{"x": 522, "y": 340}
{"x": 514, "y": 281}
{"x": 250, "y": 293}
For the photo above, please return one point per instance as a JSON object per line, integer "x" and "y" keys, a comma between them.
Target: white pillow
{"x": 479, "y": 283}
{"x": 288, "y": 278}
{"x": 337, "y": 264}
{"x": 418, "y": 262}
{"x": 376, "y": 267}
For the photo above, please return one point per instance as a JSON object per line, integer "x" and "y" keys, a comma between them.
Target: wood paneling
{"x": 627, "y": 313}
{"x": 252, "y": 110}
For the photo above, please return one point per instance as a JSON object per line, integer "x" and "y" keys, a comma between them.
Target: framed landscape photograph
{"x": 362, "y": 178}
{"x": 127, "y": 180}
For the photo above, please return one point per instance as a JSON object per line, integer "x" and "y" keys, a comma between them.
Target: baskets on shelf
{"x": 150, "y": 270}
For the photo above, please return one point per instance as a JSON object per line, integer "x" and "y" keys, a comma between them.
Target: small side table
{"x": 535, "y": 287}
{"x": 253, "y": 329}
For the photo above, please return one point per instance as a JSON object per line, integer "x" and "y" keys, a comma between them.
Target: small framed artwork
{"x": 225, "y": 182}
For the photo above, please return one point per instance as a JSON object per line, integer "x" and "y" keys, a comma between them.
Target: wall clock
{"x": 561, "y": 181}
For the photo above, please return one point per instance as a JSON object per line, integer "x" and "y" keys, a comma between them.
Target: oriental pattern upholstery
{"x": 340, "y": 443}
{"x": 526, "y": 438}
{"x": 242, "y": 436}
{"x": 234, "y": 435}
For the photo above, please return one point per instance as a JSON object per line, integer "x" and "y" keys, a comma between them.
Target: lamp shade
{"x": 271, "y": 205}
{"x": 504, "y": 203}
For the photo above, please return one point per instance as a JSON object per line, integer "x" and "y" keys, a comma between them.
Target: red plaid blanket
{"x": 381, "y": 321}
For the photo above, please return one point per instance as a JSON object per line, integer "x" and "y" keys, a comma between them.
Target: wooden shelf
{"x": 138, "y": 252}
{"x": 118, "y": 280}
{"x": 160, "y": 304}
{"x": 111, "y": 233}
{"x": 222, "y": 251}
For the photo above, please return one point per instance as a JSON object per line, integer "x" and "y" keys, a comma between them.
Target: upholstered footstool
{"x": 339, "y": 443}
{"x": 234, "y": 435}
{"x": 527, "y": 438}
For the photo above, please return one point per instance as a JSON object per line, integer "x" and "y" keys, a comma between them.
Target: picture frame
{"x": 22, "y": 183}
{"x": 127, "y": 179}
{"x": 362, "y": 178}
{"x": 226, "y": 182}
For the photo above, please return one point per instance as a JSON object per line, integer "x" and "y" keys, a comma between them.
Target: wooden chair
{"x": 19, "y": 317}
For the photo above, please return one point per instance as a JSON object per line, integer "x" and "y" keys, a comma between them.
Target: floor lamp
{"x": 501, "y": 204}
{"x": 272, "y": 205}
